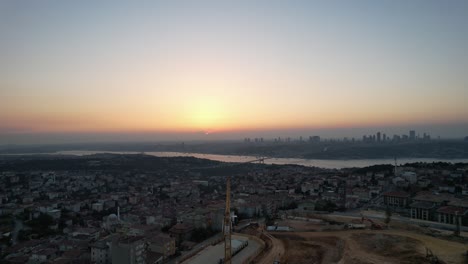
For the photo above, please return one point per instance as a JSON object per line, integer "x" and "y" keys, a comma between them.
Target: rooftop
{"x": 397, "y": 194}
{"x": 453, "y": 210}
{"x": 423, "y": 205}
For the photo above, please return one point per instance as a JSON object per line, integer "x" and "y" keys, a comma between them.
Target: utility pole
{"x": 457, "y": 220}
{"x": 227, "y": 223}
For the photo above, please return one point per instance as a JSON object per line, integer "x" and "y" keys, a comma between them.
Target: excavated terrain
{"x": 365, "y": 246}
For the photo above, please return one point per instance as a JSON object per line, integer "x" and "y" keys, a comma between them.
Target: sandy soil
{"x": 299, "y": 225}
{"x": 366, "y": 246}
{"x": 275, "y": 252}
{"x": 274, "y": 248}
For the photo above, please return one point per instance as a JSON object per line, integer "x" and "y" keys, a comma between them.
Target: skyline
{"x": 90, "y": 71}
{"x": 201, "y": 136}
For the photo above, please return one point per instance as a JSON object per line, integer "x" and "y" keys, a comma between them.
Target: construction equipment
{"x": 276, "y": 261}
{"x": 355, "y": 226}
{"x": 227, "y": 227}
{"x": 433, "y": 259}
{"x": 374, "y": 225}
{"x": 227, "y": 223}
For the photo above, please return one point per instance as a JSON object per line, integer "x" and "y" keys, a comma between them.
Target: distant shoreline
{"x": 192, "y": 154}
{"x": 321, "y": 163}
{"x": 337, "y": 151}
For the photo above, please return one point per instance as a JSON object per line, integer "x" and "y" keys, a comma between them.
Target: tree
{"x": 269, "y": 221}
{"x": 291, "y": 205}
{"x": 23, "y": 235}
{"x": 388, "y": 215}
{"x": 165, "y": 229}
{"x": 325, "y": 205}
{"x": 42, "y": 222}
{"x": 200, "y": 234}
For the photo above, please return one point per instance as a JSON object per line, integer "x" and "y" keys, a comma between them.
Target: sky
{"x": 161, "y": 70}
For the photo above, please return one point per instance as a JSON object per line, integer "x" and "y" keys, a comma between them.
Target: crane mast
{"x": 227, "y": 227}
{"x": 227, "y": 223}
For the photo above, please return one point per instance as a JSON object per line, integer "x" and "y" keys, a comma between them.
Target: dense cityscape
{"x": 233, "y": 132}
{"x": 378, "y": 137}
{"x": 91, "y": 209}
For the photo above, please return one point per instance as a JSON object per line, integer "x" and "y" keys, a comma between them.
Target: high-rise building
{"x": 378, "y": 137}
{"x": 412, "y": 135}
{"x": 314, "y": 139}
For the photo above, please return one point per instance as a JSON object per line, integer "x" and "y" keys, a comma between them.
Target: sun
{"x": 207, "y": 115}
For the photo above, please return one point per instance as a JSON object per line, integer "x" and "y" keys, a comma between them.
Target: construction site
{"x": 329, "y": 238}
{"x": 337, "y": 239}
{"x": 242, "y": 249}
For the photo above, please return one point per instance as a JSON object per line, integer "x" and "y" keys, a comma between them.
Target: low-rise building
{"x": 128, "y": 250}
{"x": 163, "y": 244}
{"x": 396, "y": 199}
{"x": 423, "y": 210}
{"x": 181, "y": 232}
{"x": 97, "y": 207}
{"x": 100, "y": 253}
{"x": 449, "y": 215}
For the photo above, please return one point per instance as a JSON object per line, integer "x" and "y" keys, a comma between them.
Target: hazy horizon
{"x": 445, "y": 132}
{"x": 93, "y": 71}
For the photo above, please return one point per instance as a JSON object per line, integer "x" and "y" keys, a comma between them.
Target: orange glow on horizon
{"x": 209, "y": 119}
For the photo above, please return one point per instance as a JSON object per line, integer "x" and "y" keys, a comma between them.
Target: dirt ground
{"x": 367, "y": 246}
{"x": 301, "y": 250}
{"x": 298, "y": 225}
{"x": 328, "y": 242}
{"x": 274, "y": 248}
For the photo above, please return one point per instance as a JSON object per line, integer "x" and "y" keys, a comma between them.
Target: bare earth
{"x": 366, "y": 246}
{"x": 276, "y": 251}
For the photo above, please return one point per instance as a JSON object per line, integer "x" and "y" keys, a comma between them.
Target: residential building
{"x": 396, "y": 199}
{"x": 422, "y": 210}
{"x": 128, "y": 250}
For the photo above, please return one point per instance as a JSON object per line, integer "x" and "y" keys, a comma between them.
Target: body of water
{"x": 322, "y": 163}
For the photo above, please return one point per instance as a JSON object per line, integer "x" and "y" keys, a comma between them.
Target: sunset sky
{"x": 230, "y": 68}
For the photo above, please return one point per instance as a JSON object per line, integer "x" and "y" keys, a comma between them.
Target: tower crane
{"x": 227, "y": 227}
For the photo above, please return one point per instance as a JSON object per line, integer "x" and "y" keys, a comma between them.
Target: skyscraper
{"x": 412, "y": 135}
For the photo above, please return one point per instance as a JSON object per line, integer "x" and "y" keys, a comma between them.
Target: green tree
{"x": 324, "y": 205}
{"x": 200, "y": 234}
{"x": 42, "y": 222}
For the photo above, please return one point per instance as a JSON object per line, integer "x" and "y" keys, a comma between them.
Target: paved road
{"x": 196, "y": 248}
{"x": 212, "y": 254}
{"x": 242, "y": 224}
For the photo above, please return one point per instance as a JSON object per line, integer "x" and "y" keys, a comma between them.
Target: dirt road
{"x": 276, "y": 251}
